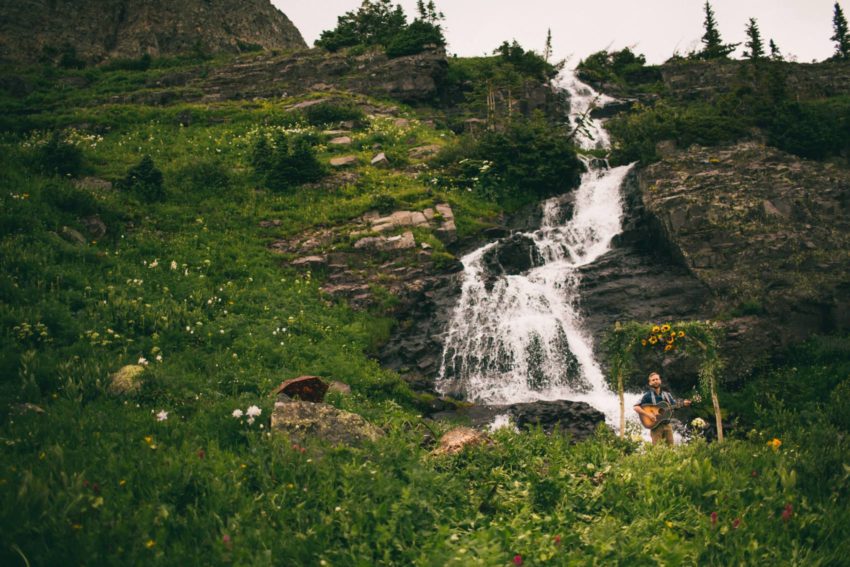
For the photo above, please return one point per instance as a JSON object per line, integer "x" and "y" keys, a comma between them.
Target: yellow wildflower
{"x": 148, "y": 439}
{"x": 671, "y": 340}
{"x": 681, "y": 334}
{"x": 665, "y": 328}
{"x": 655, "y": 329}
{"x": 653, "y": 340}
{"x": 774, "y": 443}
{"x": 150, "y": 543}
{"x": 668, "y": 347}
{"x": 643, "y": 342}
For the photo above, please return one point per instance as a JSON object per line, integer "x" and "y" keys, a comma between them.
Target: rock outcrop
{"x": 98, "y": 30}
{"x": 304, "y": 421}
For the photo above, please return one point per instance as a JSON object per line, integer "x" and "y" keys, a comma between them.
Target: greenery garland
{"x": 628, "y": 340}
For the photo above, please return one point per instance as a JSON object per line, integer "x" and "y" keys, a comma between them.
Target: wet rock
{"x": 577, "y": 419}
{"x": 514, "y": 255}
{"x": 303, "y": 421}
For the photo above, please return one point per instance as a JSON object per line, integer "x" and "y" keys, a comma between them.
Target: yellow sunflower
{"x": 668, "y": 347}
{"x": 681, "y": 334}
{"x": 653, "y": 340}
{"x": 665, "y": 328}
{"x": 655, "y": 329}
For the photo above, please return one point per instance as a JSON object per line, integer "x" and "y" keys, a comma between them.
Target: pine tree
{"x": 714, "y": 46}
{"x": 754, "y": 44}
{"x": 547, "y": 50}
{"x": 841, "y": 37}
{"x": 775, "y": 54}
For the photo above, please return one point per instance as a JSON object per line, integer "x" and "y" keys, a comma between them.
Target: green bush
{"x": 290, "y": 162}
{"x": 58, "y": 157}
{"x": 144, "y": 180}
{"x": 333, "y": 113}
{"x": 208, "y": 178}
{"x": 623, "y": 68}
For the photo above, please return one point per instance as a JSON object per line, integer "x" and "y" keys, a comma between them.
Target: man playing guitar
{"x": 647, "y": 409}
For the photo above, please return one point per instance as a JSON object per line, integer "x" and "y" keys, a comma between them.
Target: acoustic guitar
{"x": 663, "y": 412}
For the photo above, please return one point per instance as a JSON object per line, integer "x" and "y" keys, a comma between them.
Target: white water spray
{"x": 520, "y": 338}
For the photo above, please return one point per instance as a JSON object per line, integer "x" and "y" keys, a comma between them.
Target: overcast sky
{"x": 656, "y": 28}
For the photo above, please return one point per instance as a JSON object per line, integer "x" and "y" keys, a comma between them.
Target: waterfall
{"x": 520, "y": 338}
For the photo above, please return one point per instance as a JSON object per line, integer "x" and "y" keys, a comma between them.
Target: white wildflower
{"x": 699, "y": 423}
{"x": 159, "y": 358}
{"x": 143, "y": 361}
{"x": 254, "y": 411}
{"x": 250, "y": 420}
{"x": 237, "y": 413}
{"x": 173, "y": 265}
{"x": 154, "y": 264}
{"x": 162, "y": 415}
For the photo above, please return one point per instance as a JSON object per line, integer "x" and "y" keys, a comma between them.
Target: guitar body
{"x": 662, "y": 412}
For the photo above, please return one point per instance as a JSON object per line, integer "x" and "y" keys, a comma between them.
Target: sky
{"x": 656, "y": 28}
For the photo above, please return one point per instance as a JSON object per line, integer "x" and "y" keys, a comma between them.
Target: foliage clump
{"x": 56, "y": 156}
{"x": 286, "y": 161}
{"x": 377, "y": 23}
{"x": 524, "y": 161}
{"x": 623, "y": 68}
{"x": 145, "y": 181}
{"x": 328, "y": 113}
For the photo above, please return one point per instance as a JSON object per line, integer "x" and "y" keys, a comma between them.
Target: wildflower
{"x": 254, "y": 411}
{"x": 225, "y": 539}
{"x": 699, "y": 423}
{"x": 665, "y": 328}
{"x": 150, "y": 543}
{"x": 517, "y": 559}
{"x": 250, "y": 420}
{"x": 159, "y": 358}
{"x": 173, "y": 265}
{"x": 787, "y": 513}
{"x": 162, "y": 415}
{"x": 774, "y": 443}
{"x": 201, "y": 453}
{"x": 122, "y": 482}
{"x": 754, "y": 473}
{"x": 143, "y": 361}
{"x": 237, "y": 413}
{"x": 557, "y": 540}
{"x": 148, "y": 439}
{"x": 736, "y": 522}
{"x": 668, "y": 347}
{"x": 154, "y": 264}
{"x": 643, "y": 342}
{"x": 713, "y": 518}
{"x": 681, "y": 334}
{"x": 653, "y": 340}
{"x": 655, "y": 329}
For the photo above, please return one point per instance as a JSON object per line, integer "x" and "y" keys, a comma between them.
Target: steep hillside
{"x": 91, "y": 31}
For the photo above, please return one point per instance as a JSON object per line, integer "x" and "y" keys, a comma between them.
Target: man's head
{"x": 654, "y": 380}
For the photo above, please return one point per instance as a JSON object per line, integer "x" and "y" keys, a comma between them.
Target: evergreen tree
{"x": 754, "y": 45}
{"x": 547, "y": 50}
{"x": 714, "y": 46}
{"x": 841, "y": 37}
{"x": 775, "y": 54}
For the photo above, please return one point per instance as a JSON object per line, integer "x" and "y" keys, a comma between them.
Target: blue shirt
{"x": 651, "y": 398}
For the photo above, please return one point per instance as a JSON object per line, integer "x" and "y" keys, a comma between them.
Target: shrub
{"x": 205, "y": 179}
{"x": 332, "y": 113}
{"x": 145, "y": 181}
{"x": 624, "y": 68}
{"x": 291, "y": 162}
{"x": 58, "y": 157}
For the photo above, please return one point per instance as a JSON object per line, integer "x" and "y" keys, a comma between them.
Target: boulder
{"x": 343, "y": 161}
{"x": 128, "y": 380}
{"x": 458, "y": 439}
{"x": 303, "y": 421}
{"x": 422, "y": 152}
{"x": 95, "y": 226}
{"x": 93, "y": 184}
{"x": 387, "y": 243}
{"x": 514, "y": 255}
{"x": 380, "y": 160}
{"x": 341, "y": 141}
{"x": 310, "y": 262}
{"x": 577, "y": 419}
{"x": 305, "y": 388}
{"x": 72, "y": 235}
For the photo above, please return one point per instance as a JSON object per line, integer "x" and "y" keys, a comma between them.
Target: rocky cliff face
{"x": 765, "y": 232}
{"x": 107, "y": 29}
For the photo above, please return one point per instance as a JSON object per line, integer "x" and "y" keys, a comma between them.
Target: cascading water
{"x": 520, "y": 338}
